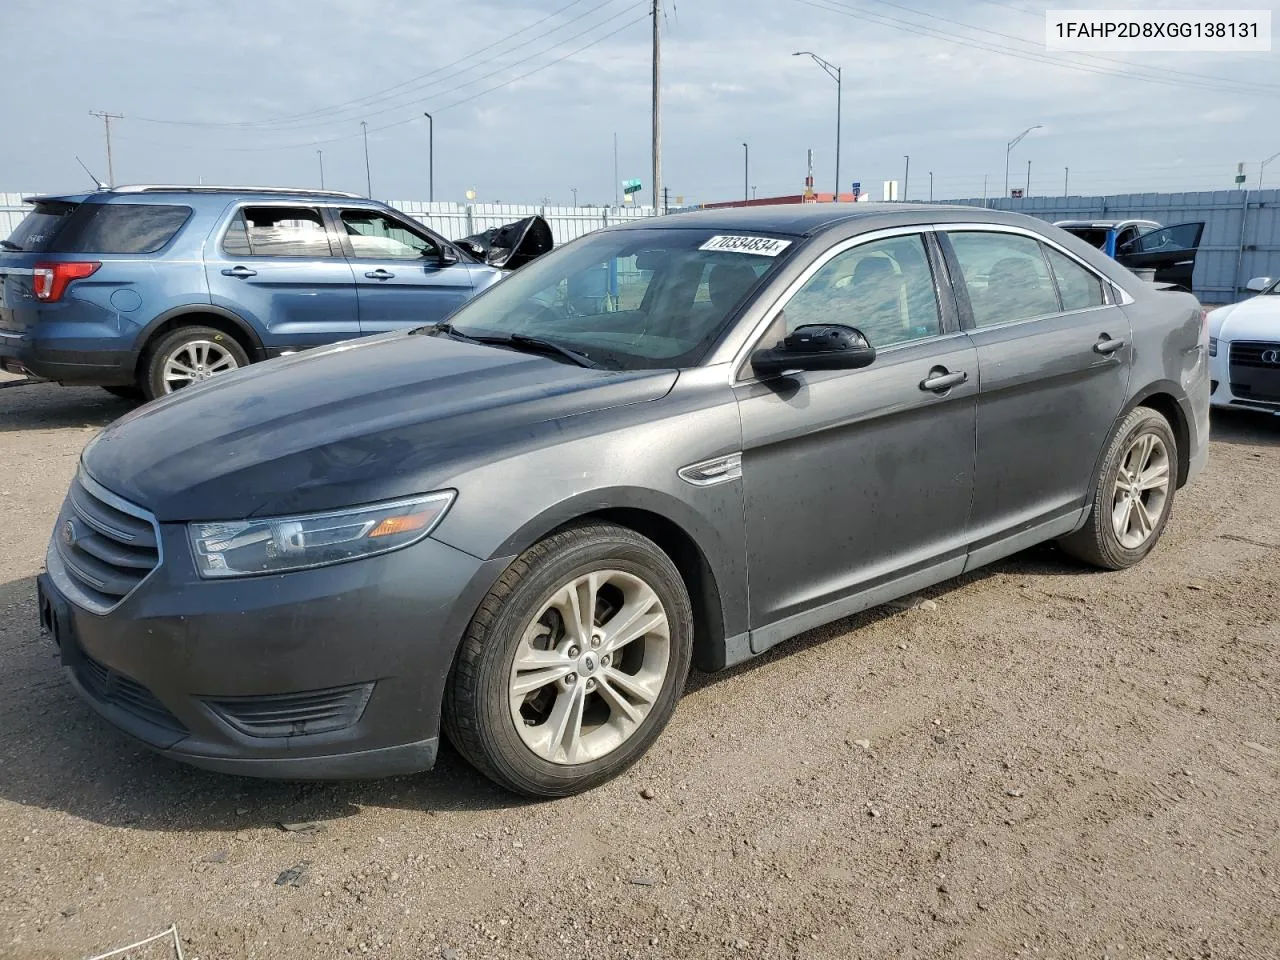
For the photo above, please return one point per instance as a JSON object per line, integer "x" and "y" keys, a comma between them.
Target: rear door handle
{"x": 940, "y": 381}
{"x": 1106, "y": 345}
{"x": 379, "y": 274}
{"x": 240, "y": 272}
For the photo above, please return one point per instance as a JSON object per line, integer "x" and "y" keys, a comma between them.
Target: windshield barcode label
{"x": 760, "y": 246}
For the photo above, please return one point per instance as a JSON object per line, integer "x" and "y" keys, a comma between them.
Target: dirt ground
{"x": 1053, "y": 763}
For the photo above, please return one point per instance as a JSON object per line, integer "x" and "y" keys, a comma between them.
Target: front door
{"x": 401, "y": 276}
{"x": 273, "y": 265}
{"x": 1053, "y": 357}
{"x": 1169, "y": 251}
{"x": 859, "y": 479}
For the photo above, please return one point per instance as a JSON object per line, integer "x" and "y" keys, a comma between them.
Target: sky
{"x": 527, "y": 96}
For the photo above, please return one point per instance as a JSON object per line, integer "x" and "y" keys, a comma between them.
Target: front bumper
{"x": 195, "y": 669}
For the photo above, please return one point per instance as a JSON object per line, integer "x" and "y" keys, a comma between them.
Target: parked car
{"x": 521, "y": 525}
{"x": 1165, "y": 254}
{"x": 1244, "y": 350}
{"x": 148, "y": 289}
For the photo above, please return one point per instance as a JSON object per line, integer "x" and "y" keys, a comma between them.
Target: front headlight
{"x": 1213, "y": 346}
{"x": 241, "y": 548}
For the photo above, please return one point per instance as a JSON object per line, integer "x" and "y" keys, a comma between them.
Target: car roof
{"x": 1102, "y": 224}
{"x": 168, "y": 193}
{"x": 808, "y": 219}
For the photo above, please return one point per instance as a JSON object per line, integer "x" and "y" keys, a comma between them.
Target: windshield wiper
{"x": 9, "y": 246}
{"x": 516, "y": 340}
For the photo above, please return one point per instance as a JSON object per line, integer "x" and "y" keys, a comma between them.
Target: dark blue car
{"x": 144, "y": 290}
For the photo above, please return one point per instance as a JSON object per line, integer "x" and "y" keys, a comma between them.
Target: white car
{"x": 1244, "y": 350}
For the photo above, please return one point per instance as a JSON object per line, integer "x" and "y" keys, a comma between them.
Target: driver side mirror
{"x": 815, "y": 346}
{"x": 447, "y": 257}
{"x": 1258, "y": 284}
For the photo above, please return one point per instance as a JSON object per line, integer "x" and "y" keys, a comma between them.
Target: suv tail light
{"x": 52, "y": 278}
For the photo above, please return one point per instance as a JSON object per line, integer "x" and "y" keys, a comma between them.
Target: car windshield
{"x": 629, "y": 299}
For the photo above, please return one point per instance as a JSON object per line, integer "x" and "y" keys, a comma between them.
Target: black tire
{"x": 477, "y": 713}
{"x": 153, "y": 382}
{"x": 126, "y": 393}
{"x": 1097, "y": 542}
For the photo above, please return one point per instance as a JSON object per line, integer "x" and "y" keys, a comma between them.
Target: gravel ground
{"x": 1052, "y": 762}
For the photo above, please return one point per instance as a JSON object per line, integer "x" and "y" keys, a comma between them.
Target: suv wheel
{"x": 1134, "y": 494}
{"x": 190, "y": 355}
{"x": 573, "y": 664}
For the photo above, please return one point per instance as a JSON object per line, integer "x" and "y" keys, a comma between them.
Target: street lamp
{"x": 320, "y": 154}
{"x": 834, "y": 73}
{"x": 931, "y": 186}
{"x": 431, "y": 156}
{"x": 1262, "y": 166}
{"x": 575, "y": 195}
{"x": 746, "y": 171}
{"x": 906, "y": 176}
{"x": 1009, "y": 149}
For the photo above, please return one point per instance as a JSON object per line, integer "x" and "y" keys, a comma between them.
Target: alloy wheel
{"x": 1141, "y": 490}
{"x": 195, "y": 361}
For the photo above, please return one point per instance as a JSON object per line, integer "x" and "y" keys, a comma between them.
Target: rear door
{"x": 1170, "y": 251}
{"x": 1053, "y": 357}
{"x": 275, "y": 266}
{"x": 405, "y": 276}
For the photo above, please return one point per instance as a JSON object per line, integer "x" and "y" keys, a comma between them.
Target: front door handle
{"x": 940, "y": 381}
{"x": 240, "y": 272}
{"x": 379, "y": 274}
{"x": 1106, "y": 345}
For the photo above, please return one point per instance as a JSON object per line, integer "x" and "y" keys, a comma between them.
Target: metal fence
{"x": 1241, "y": 233}
{"x": 453, "y": 220}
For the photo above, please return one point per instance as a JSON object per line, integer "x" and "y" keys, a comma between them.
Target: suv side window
{"x": 277, "y": 232}
{"x": 1078, "y": 288}
{"x": 884, "y": 288}
{"x": 376, "y": 236}
{"x": 1006, "y": 276}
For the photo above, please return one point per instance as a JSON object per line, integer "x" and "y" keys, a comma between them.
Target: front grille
{"x": 294, "y": 714}
{"x": 107, "y": 545}
{"x": 1255, "y": 370}
{"x": 107, "y": 686}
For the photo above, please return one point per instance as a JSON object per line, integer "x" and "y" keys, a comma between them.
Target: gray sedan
{"x": 679, "y": 441}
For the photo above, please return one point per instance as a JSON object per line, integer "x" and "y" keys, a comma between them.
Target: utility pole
{"x": 368, "y": 177}
{"x": 931, "y": 186}
{"x": 616, "y": 181}
{"x": 746, "y": 171}
{"x": 431, "y": 156}
{"x": 1027, "y": 192}
{"x": 984, "y": 191}
{"x": 106, "y": 119}
{"x": 657, "y": 103}
{"x": 320, "y": 154}
{"x": 666, "y": 200}
{"x": 1066, "y": 181}
{"x": 906, "y": 177}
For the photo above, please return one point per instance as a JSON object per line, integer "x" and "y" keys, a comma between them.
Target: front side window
{"x": 629, "y": 299}
{"x": 1006, "y": 276}
{"x": 884, "y": 288}
{"x": 277, "y": 232}
{"x": 375, "y": 236}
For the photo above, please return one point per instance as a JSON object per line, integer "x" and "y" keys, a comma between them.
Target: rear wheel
{"x": 1134, "y": 494}
{"x": 573, "y": 664}
{"x": 190, "y": 355}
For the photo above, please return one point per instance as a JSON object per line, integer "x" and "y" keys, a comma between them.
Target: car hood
{"x": 1257, "y": 318}
{"x": 359, "y": 422}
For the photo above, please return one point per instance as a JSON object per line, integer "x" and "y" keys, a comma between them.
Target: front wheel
{"x": 573, "y": 664}
{"x": 190, "y": 355}
{"x": 1134, "y": 494}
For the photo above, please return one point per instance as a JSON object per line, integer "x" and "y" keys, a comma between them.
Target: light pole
{"x": 431, "y": 156}
{"x": 1262, "y": 166}
{"x": 1027, "y": 192}
{"x": 575, "y": 195}
{"x": 834, "y": 73}
{"x": 1066, "y": 181}
{"x": 753, "y": 192}
{"x": 746, "y": 171}
{"x": 906, "y": 177}
{"x": 368, "y": 177}
{"x": 320, "y": 154}
{"x": 931, "y": 186}
{"x": 1009, "y": 149}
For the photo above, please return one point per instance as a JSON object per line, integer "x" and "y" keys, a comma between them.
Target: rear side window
{"x": 1006, "y": 276}
{"x": 277, "y": 232}
{"x": 1078, "y": 288}
{"x": 120, "y": 228}
{"x": 40, "y": 226}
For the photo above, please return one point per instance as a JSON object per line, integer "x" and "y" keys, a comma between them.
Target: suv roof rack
{"x": 203, "y": 188}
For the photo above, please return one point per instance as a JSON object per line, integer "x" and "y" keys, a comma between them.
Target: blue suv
{"x": 144, "y": 290}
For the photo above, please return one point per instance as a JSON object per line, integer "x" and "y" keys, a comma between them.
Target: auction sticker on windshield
{"x": 761, "y": 246}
